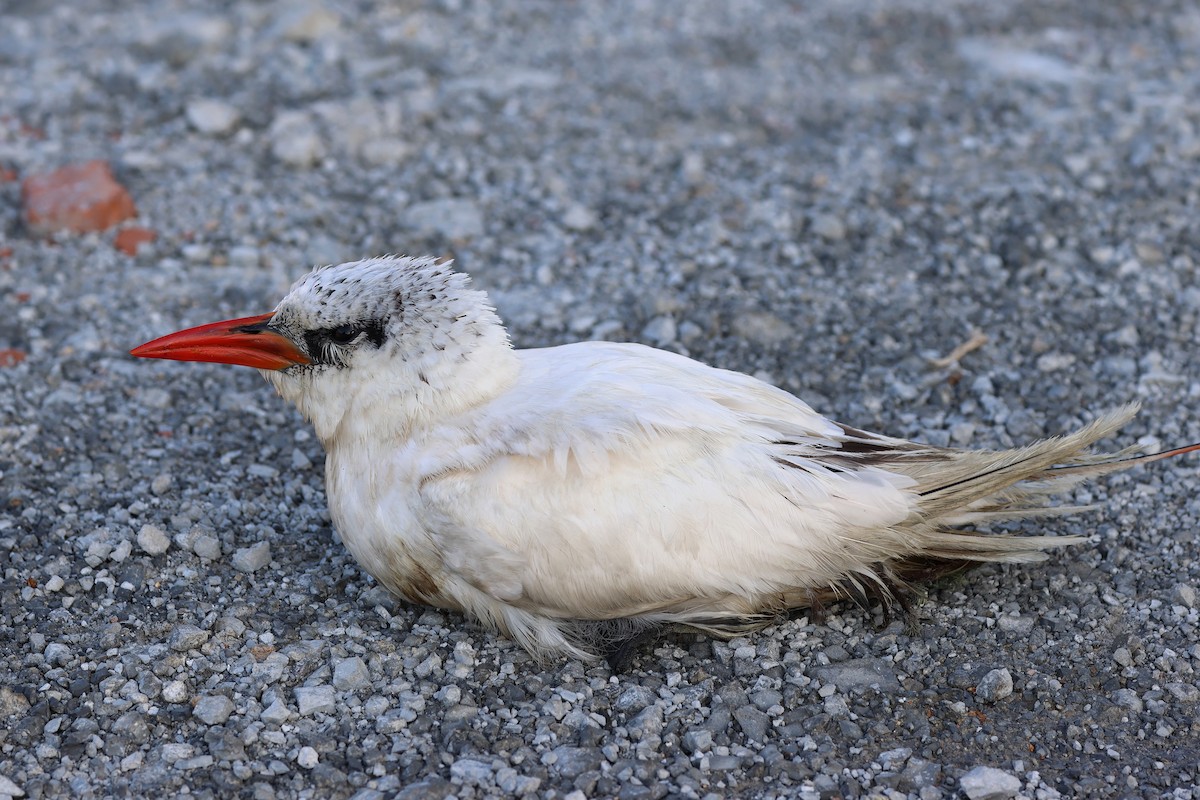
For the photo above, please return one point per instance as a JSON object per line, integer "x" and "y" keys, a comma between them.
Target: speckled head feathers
{"x": 383, "y": 329}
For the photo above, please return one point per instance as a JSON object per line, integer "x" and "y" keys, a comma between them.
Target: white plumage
{"x": 577, "y": 497}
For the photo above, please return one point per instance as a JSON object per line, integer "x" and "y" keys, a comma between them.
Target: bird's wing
{"x": 614, "y": 480}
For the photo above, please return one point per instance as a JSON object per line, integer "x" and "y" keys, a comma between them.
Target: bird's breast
{"x": 371, "y": 503}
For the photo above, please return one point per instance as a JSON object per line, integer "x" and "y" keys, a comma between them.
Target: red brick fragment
{"x": 130, "y": 239}
{"x": 11, "y": 357}
{"x": 76, "y": 198}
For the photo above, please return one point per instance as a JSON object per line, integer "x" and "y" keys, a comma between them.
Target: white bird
{"x": 581, "y": 498}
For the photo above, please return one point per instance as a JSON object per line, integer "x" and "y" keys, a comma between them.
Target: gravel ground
{"x": 824, "y": 194}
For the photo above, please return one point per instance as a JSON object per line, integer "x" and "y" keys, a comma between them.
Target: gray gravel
{"x": 826, "y": 195}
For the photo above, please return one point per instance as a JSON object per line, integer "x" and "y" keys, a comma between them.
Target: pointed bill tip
{"x": 247, "y": 341}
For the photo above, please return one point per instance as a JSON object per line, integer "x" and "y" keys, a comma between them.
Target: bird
{"x": 583, "y": 499}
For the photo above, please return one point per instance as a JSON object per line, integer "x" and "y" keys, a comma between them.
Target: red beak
{"x": 247, "y": 341}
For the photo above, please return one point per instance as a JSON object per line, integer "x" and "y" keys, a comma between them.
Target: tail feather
{"x": 975, "y": 476}
{"x": 980, "y": 487}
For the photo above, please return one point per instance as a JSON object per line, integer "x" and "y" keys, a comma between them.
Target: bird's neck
{"x": 421, "y": 393}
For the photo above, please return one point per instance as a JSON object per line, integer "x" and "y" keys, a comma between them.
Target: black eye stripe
{"x": 325, "y": 344}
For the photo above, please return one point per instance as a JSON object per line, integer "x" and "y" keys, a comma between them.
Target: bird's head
{"x": 368, "y": 347}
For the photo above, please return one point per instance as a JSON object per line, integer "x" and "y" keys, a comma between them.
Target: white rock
{"x": 295, "y": 140}
{"x": 307, "y": 22}
{"x": 252, "y": 558}
{"x": 829, "y": 227}
{"x": 213, "y": 709}
{"x": 315, "y": 699}
{"x": 307, "y": 758}
{"x": 350, "y": 674}
{"x": 207, "y": 546}
{"x": 660, "y": 330}
{"x": 579, "y": 218}
{"x": 175, "y": 691}
{"x": 213, "y": 117}
{"x": 153, "y": 540}
{"x": 996, "y": 685}
{"x": 762, "y": 327}
{"x": 385, "y": 152}
{"x": 989, "y": 783}
{"x": 276, "y": 714}
{"x": 121, "y": 551}
{"x": 10, "y": 789}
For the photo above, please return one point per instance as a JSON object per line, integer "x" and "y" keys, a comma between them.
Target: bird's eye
{"x": 345, "y": 334}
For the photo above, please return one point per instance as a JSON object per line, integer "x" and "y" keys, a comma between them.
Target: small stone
{"x": 1016, "y": 625}
{"x": 196, "y": 762}
{"x": 646, "y": 724}
{"x": 10, "y": 789}
{"x": 175, "y": 691}
{"x": 57, "y": 654}
{"x": 130, "y": 240}
{"x": 214, "y": 117}
{"x": 174, "y": 752}
{"x": 434, "y": 787}
{"x": 471, "y": 772}
{"x": 994, "y": 686}
{"x": 920, "y": 774}
{"x": 76, "y": 198}
{"x": 276, "y": 714}
{"x": 634, "y": 699}
{"x": 571, "y": 762}
{"x": 754, "y": 723}
{"x": 1127, "y": 698}
{"x": 699, "y": 740}
{"x": 161, "y": 484}
{"x": 829, "y": 227}
{"x": 1184, "y": 691}
{"x": 12, "y": 703}
{"x": 252, "y": 558}
{"x": 307, "y": 758}
{"x": 295, "y": 140}
{"x": 306, "y": 22}
{"x": 121, "y": 551}
{"x": 186, "y": 637}
{"x": 350, "y": 674}
{"x": 579, "y": 218}
{"x": 893, "y": 760}
{"x": 1052, "y": 362}
{"x": 153, "y": 540}
{"x": 762, "y": 328}
{"x": 451, "y": 218}
{"x": 660, "y": 330}
{"x": 1123, "y": 657}
{"x": 989, "y": 783}
{"x": 861, "y": 673}
{"x": 196, "y": 253}
{"x": 315, "y": 700}
{"x": 384, "y": 152}
{"x": 207, "y": 546}
{"x": 826, "y": 786}
{"x": 724, "y": 763}
{"x": 1184, "y": 595}
{"x": 247, "y": 257}
{"x": 55, "y": 584}
{"x": 213, "y": 709}
{"x": 692, "y": 168}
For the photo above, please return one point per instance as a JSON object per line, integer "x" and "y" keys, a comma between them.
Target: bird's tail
{"x": 972, "y": 488}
